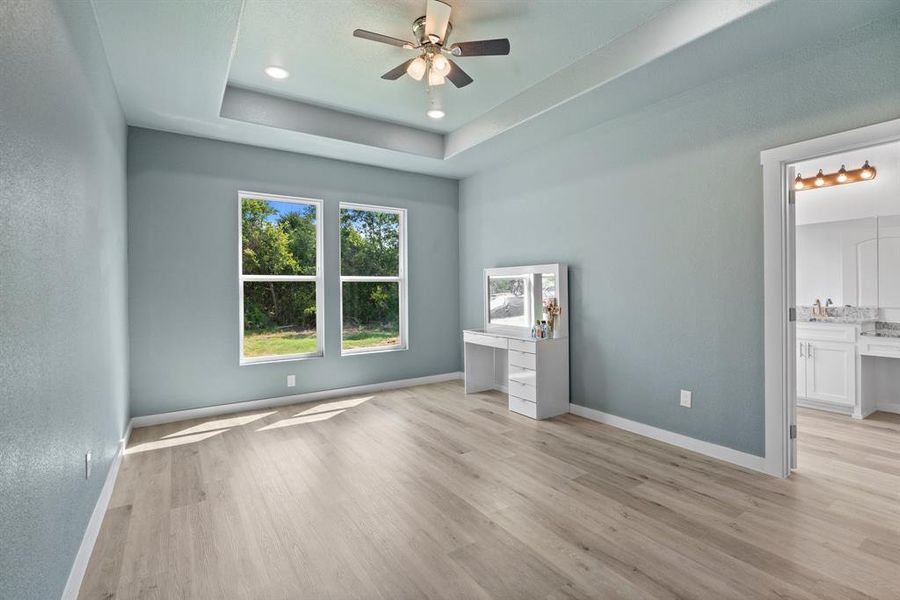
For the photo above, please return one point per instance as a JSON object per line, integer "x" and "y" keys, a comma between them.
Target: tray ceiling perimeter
{"x": 197, "y": 68}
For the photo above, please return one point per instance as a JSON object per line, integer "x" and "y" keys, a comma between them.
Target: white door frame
{"x": 779, "y": 331}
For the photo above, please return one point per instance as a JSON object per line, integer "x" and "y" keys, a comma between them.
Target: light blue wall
{"x": 659, "y": 215}
{"x": 183, "y": 269}
{"x": 63, "y": 348}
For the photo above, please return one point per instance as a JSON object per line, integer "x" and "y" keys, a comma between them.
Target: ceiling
{"x": 329, "y": 67}
{"x": 196, "y": 68}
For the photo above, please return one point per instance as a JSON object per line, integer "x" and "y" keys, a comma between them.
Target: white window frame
{"x": 401, "y": 278}
{"x": 318, "y": 278}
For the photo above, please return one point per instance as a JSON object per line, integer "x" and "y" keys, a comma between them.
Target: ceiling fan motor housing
{"x": 418, "y": 28}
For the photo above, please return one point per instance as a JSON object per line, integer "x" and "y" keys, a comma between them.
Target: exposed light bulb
{"x": 435, "y": 113}
{"x": 276, "y": 72}
{"x": 798, "y": 182}
{"x": 435, "y": 78}
{"x": 842, "y": 175}
{"x": 820, "y": 180}
{"x": 867, "y": 171}
{"x": 416, "y": 68}
{"x": 441, "y": 65}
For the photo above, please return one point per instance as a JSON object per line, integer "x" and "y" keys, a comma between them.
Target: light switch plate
{"x": 291, "y": 380}
{"x": 686, "y": 396}
{"x": 87, "y": 464}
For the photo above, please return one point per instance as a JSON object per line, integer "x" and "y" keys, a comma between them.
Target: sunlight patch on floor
{"x": 172, "y": 442}
{"x": 333, "y": 406}
{"x": 226, "y": 423}
{"x": 301, "y": 420}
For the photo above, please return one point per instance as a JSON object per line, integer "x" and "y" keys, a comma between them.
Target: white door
{"x": 829, "y": 372}
{"x": 801, "y": 368}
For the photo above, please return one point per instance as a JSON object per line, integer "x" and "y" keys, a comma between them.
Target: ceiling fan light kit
{"x": 433, "y": 63}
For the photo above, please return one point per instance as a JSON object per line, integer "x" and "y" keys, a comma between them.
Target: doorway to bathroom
{"x": 832, "y": 304}
{"x": 847, "y": 307}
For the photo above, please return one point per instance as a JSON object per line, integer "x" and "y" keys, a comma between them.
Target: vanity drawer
{"x": 470, "y": 337}
{"x": 524, "y": 376}
{"x": 522, "y": 346}
{"x": 521, "y": 390}
{"x": 521, "y": 359}
{"x": 523, "y": 407}
{"x": 884, "y": 347}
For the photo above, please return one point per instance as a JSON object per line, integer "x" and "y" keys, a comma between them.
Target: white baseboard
{"x": 225, "y": 409}
{"x": 83, "y": 557}
{"x": 742, "y": 459}
{"x": 826, "y": 406}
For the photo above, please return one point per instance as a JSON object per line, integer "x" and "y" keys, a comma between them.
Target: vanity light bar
{"x": 864, "y": 173}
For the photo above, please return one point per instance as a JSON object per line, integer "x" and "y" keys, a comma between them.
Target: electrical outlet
{"x": 686, "y": 396}
{"x": 87, "y": 464}
{"x": 291, "y": 380}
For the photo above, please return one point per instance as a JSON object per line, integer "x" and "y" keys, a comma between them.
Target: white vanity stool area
{"x": 534, "y": 372}
{"x": 504, "y": 356}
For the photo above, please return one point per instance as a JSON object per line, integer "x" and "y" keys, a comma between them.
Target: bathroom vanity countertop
{"x": 888, "y": 333}
{"x": 845, "y": 315}
{"x": 837, "y": 320}
{"x": 884, "y": 329}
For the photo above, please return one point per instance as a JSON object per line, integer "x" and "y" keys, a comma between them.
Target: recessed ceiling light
{"x": 435, "y": 113}
{"x": 276, "y": 72}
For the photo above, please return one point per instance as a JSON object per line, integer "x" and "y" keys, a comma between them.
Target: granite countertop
{"x": 838, "y": 320}
{"x": 848, "y": 315}
{"x": 885, "y": 329}
{"x": 888, "y": 333}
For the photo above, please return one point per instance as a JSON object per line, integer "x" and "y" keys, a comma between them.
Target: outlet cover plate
{"x": 686, "y": 398}
{"x": 291, "y": 380}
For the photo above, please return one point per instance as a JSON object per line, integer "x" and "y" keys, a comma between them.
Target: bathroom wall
{"x": 866, "y": 275}
{"x": 659, "y": 216}
{"x": 63, "y": 346}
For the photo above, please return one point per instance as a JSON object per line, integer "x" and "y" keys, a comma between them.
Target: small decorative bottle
{"x": 545, "y": 331}
{"x": 536, "y": 330}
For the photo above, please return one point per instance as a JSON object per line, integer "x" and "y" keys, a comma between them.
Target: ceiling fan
{"x": 434, "y": 62}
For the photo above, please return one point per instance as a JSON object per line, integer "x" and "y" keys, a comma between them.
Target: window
{"x": 373, "y": 279}
{"x": 280, "y": 278}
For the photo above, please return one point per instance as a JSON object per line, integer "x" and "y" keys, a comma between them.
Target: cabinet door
{"x": 801, "y": 368}
{"x": 830, "y": 370}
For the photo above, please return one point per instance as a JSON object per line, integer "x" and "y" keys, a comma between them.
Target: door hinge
{"x": 792, "y": 314}
{"x": 793, "y": 432}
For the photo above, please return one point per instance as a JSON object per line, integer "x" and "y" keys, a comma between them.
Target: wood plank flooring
{"x": 428, "y": 493}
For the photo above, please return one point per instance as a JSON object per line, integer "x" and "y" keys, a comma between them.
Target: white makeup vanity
{"x": 504, "y": 356}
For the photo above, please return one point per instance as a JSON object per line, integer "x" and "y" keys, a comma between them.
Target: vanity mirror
{"x": 854, "y": 262}
{"x": 516, "y": 297}
{"x": 848, "y": 241}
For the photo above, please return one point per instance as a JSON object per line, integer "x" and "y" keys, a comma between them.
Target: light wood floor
{"x": 428, "y": 493}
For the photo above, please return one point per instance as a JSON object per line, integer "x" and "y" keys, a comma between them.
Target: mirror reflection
{"x": 508, "y": 297}
{"x": 848, "y": 239}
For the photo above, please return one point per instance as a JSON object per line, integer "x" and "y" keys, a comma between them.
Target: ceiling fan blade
{"x": 457, "y": 76}
{"x": 481, "y": 48}
{"x": 437, "y": 16}
{"x": 398, "y": 71}
{"x": 384, "y": 39}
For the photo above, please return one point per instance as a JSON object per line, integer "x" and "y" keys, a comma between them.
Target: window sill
{"x": 366, "y": 351}
{"x": 267, "y": 360}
